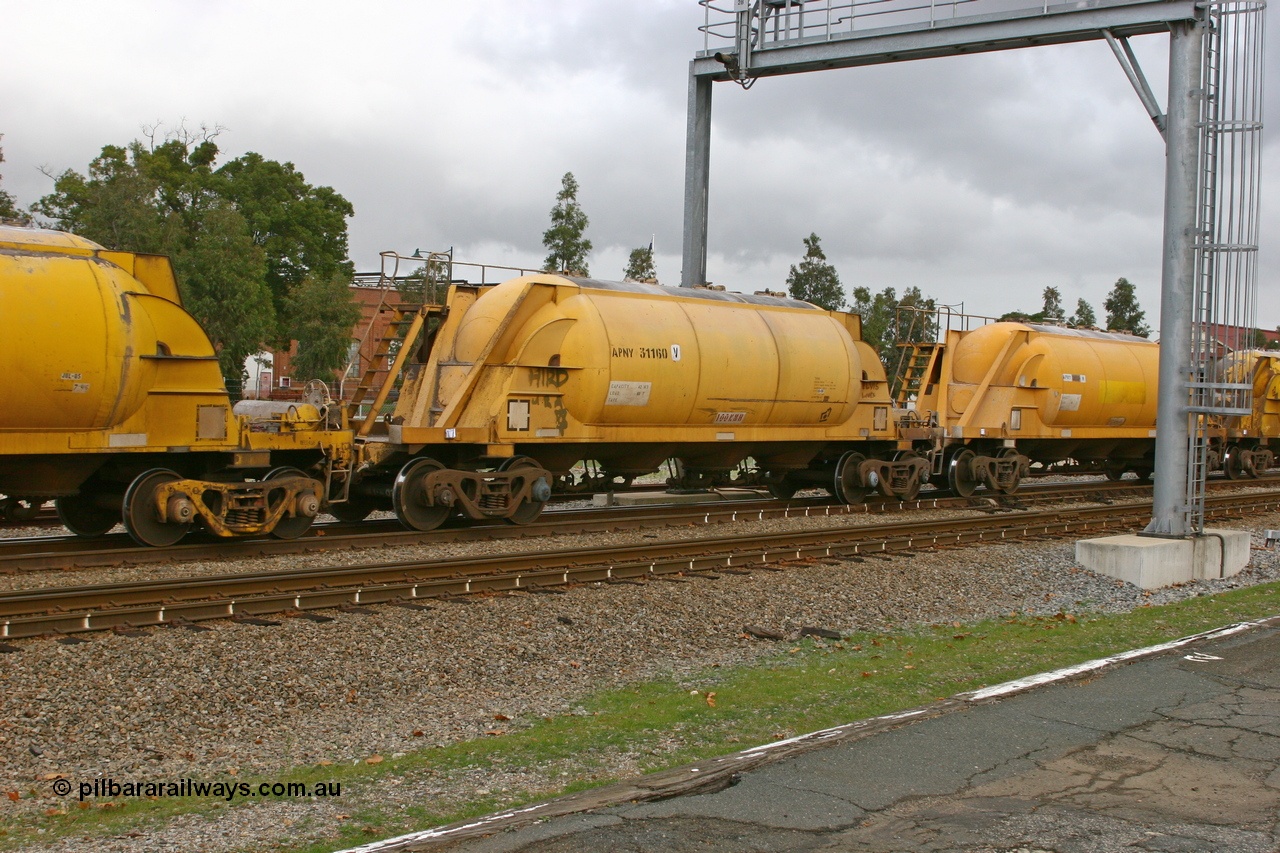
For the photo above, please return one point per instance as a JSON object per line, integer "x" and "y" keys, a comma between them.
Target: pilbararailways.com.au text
{"x": 110, "y": 788}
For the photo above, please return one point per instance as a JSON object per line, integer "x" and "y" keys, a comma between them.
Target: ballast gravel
{"x": 239, "y": 700}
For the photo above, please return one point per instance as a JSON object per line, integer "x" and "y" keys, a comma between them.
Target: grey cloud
{"x": 979, "y": 178}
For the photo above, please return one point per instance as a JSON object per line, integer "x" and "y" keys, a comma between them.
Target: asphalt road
{"x": 1163, "y": 751}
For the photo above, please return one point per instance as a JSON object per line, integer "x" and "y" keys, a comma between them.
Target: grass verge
{"x": 657, "y": 724}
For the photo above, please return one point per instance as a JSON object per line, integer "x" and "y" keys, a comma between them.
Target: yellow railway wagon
{"x": 114, "y": 405}
{"x": 1244, "y": 446}
{"x": 116, "y": 409}
{"x": 522, "y": 381}
{"x": 1008, "y": 395}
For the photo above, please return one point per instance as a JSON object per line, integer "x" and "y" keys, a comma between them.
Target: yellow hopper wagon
{"x": 115, "y": 407}
{"x": 549, "y": 382}
{"x": 1006, "y": 396}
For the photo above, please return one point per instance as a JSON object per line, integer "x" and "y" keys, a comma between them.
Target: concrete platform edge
{"x": 717, "y": 773}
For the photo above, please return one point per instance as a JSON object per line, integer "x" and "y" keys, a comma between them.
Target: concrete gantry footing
{"x": 1151, "y": 562}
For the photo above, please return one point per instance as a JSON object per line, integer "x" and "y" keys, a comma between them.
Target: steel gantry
{"x": 1212, "y": 132}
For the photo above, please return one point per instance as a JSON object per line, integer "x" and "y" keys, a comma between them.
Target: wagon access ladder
{"x": 379, "y": 367}
{"x": 916, "y": 363}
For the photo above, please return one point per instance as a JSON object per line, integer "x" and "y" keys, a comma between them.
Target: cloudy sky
{"x": 980, "y": 179}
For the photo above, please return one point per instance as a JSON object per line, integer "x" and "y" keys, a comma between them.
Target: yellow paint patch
{"x": 1112, "y": 392}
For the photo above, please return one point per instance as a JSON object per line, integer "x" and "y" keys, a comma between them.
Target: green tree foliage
{"x": 640, "y": 266}
{"x": 1018, "y": 317}
{"x": 878, "y": 312}
{"x": 321, "y": 316}
{"x": 162, "y": 200}
{"x": 242, "y": 237}
{"x": 1084, "y": 315}
{"x": 115, "y": 204}
{"x": 1052, "y": 311}
{"x": 816, "y": 280}
{"x": 9, "y": 211}
{"x": 567, "y": 248}
{"x": 1123, "y": 311}
{"x": 220, "y": 271}
{"x": 302, "y": 228}
{"x": 426, "y": 285}
{"x": 888, "y": 321}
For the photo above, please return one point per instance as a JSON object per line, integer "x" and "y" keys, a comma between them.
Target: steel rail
{"x": 40, "y": 553}
{"x": 28, "y": 613}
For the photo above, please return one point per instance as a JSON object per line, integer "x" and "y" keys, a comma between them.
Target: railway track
{"x": 38, "y": 553}
{"x": 73, "y": 609}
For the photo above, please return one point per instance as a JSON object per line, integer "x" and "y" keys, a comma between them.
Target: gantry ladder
{"x": 1225, "y": 289}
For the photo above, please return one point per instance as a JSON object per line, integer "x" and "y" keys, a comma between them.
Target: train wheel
{"x": 410, "y": 499}
{"x": 289, "y": 526}
{"x": 1012, "y": 486}
{"x": 1238, "y": 463}
{"x": 530, "y": 508}
{"x": 1233, "y": 462}
{"x": 846, "y": 486}
{"x": 140, "y": 516}
{"x": 912, "y": 489}
{"x": 82, "y": 516}
{"x": 351, "y": 511}
{"x": 20, "y": 509}
{"x": 1248, "y": 467}
{"x": 784, "y": 488}
{"x": 960, "y": 476}
{"x": 1251, "y": 466}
